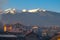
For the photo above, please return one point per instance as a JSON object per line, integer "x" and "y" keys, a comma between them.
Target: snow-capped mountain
{"x": 10, "y": 10}
{"x": 33, "y": 10}
{"x": 31, "y": 17}
{"x": 13, "y": 10}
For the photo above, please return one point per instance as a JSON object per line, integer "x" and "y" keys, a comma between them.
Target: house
{"x": 7, "y": 27}
{"x": 32, "y": 36}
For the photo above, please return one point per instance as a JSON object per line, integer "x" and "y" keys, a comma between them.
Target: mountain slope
{"x": 36, "y": 18}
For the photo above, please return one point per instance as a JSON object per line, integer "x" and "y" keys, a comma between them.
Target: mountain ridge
{"x": 32, "y": 18}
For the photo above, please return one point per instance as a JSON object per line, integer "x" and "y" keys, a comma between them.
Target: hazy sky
{"x": 52, "y": 5}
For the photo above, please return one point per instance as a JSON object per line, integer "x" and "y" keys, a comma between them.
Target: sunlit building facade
{"x": 7, "y": 28}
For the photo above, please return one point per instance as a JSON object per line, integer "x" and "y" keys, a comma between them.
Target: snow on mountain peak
{"x": 33, "y": 10}
{"x": 10, "y": 10}
{"x": 13, "y": 10}
{"x": 42, "y": 10}
{"x": 24, "y": 10}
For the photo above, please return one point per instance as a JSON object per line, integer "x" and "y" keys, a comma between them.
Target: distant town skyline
{"x": 51, "y": 5}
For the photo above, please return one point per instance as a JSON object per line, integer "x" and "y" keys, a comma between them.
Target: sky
{"x": 51, "y": 5}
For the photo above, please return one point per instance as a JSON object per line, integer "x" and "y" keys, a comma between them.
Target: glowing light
{"x": 4, "y": 28}
{"x": 58, "y": 38}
